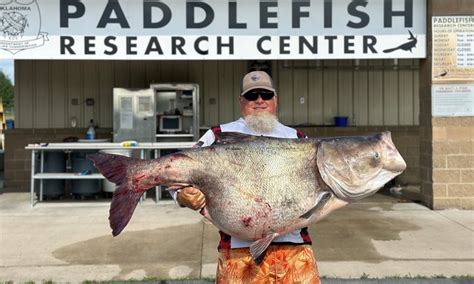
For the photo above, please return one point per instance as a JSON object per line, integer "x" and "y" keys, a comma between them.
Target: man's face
{"x": 257, "y": 106}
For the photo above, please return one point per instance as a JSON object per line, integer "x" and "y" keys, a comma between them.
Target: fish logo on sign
{"x": 407, "y": 46}
{"x": 20, "y": 25}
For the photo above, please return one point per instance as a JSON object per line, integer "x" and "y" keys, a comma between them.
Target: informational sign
{"x": 126, "y": 112}
{"x": 212, "y": 29}
{"x": 145, "y": 105}
{"x": 453, "y": 49}
{"x": 453, "y": 100}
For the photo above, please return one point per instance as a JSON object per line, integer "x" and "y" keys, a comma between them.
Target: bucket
{"x": 108, "y": 186}
{"x": 54, "y": 162}
{"x": 10, "y": 124}
{"x": 341, "y": 121}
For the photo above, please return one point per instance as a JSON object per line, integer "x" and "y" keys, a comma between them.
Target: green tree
{"x": 6, "y": 91}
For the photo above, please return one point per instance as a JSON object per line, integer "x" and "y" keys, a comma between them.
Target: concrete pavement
{"x": 71, "y": 241}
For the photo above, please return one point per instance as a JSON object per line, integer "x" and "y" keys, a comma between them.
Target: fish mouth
{"x": 397, "y": 168}
{"x": 394, "y": 162}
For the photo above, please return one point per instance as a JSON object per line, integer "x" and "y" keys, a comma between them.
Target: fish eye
{"x": 376, "y": 155}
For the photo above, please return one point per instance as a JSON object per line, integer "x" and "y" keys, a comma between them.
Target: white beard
{"x": 261, "y": 123}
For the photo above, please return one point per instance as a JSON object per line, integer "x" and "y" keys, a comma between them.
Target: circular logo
{"x": 255, "y": 77}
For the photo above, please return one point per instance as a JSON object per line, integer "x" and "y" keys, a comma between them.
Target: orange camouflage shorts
{"x": 282, "y": 264}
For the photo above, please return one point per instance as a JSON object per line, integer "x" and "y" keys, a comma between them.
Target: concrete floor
{"x": 71, "y": 241}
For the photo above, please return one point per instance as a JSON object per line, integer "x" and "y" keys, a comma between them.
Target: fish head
{"x": 356, "y": 167}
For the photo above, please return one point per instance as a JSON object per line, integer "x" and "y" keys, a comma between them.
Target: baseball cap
{"x": 257, "y": 80}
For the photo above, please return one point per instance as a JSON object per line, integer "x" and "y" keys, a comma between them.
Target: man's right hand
{"x": 191, "y": 197}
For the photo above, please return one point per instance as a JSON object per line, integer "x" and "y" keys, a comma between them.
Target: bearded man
{"x": 290, "y": 258}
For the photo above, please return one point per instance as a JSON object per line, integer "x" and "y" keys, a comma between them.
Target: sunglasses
{"x": 253, "y": 95}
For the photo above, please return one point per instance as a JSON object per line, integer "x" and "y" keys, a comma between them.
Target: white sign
{"x": 453, "y": 100}
{"x": 453, "y": 49}
{"x": 213, "y": 29}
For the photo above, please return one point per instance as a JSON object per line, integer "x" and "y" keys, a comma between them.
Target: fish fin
{"x": 330, "y": 206}
{"x": 260, "y": 259}
{"x": 205, "y": 212}
{"x": 113, "y": 167}
{"x": 119, "y": 170}
{"x": 233, "y": 137}
{"x": 123, "y": 204}
{"x": 259, "y": 247}
{"x": 323, "y": 198}
{"x": 177, "y": 186}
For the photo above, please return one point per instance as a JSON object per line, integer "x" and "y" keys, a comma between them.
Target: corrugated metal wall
{"x": 310, "y": 92}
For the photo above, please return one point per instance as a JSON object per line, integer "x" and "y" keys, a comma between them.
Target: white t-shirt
{"x": 280, "y": 131}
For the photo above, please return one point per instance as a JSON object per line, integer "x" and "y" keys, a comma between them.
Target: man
{"x": 290, "y": 258}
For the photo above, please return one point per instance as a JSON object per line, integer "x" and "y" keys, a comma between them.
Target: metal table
{"x": 42, "y": 147}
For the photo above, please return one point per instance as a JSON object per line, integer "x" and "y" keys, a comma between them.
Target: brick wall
{"x": 452, "y": 174}
{"x": 446, "y": 158}
{"x": 18, "y": 160}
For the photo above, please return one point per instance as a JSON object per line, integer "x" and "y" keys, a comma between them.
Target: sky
{"x": 6, "y": 65}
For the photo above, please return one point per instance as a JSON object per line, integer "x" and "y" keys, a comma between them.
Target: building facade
{"x": 373, "y": 65}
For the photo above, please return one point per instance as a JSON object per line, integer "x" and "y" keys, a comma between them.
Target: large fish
{"x": 258, "y": 188}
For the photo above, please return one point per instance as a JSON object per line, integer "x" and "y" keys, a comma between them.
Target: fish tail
{"x": 121, "y": 171}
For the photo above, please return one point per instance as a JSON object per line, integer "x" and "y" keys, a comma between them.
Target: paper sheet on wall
{"x": 144, "y": 105}
{"x": 453, "y": 100}
{"x": 126, "y": 112}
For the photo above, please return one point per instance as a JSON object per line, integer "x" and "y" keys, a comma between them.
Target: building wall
{"x": 446, "y": 143}
{"x": 452, "y": 156}
{"x": 311, "y": 92}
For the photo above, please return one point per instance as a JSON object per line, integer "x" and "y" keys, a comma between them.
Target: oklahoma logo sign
{"x": 20, "y": 24}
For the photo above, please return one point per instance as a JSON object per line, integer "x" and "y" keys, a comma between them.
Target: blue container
{"x": 10, "y": 123}
{"x": 341, "y": 121}
{"x": 54, "y": 162}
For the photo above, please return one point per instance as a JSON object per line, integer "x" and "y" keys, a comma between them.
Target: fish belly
{"x": 252, "y": 192}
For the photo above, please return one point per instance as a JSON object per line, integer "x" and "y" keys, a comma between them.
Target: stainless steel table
{"x": 42, "y": 147}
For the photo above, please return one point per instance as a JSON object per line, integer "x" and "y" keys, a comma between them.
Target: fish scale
{"x": 258, "y": 188}
{"x": 270, "y": 173}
